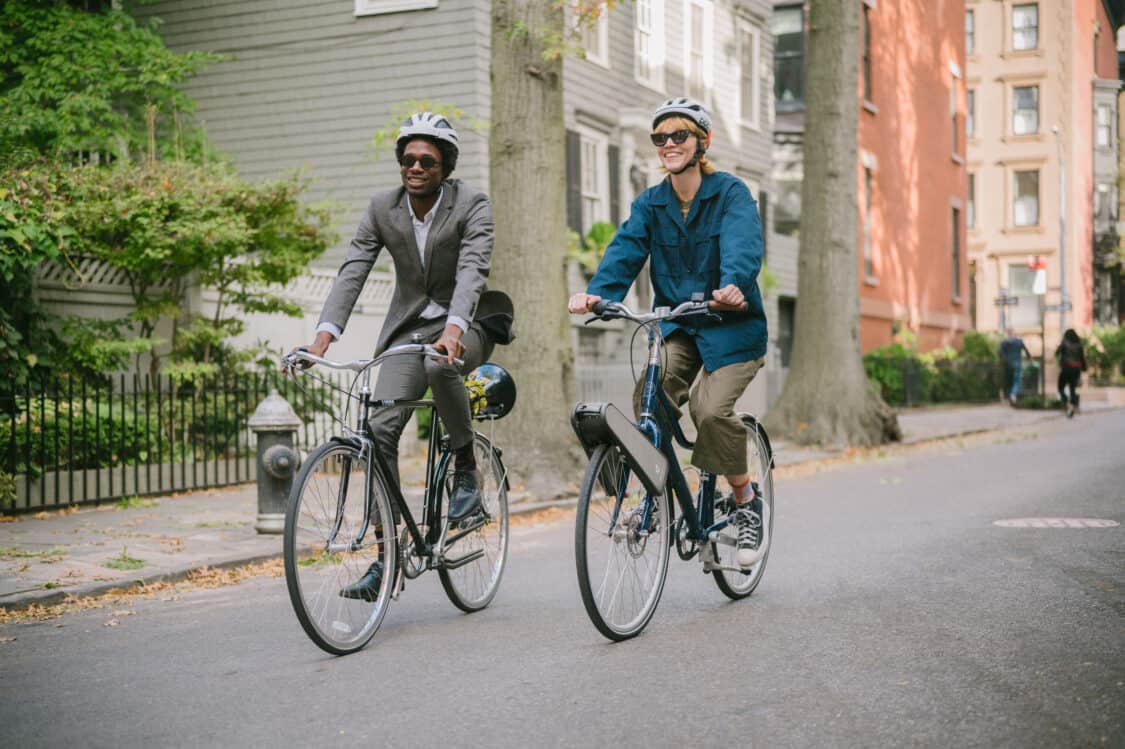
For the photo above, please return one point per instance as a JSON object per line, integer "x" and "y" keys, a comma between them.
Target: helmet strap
{"x": 694, "y": 160}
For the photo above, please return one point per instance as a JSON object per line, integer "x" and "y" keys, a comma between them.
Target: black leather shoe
{"x": 367, "y": 587}
{"x": 465, "y": 498}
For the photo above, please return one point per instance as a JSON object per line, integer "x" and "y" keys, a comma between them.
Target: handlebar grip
{"x": 716, "y": 307}
{"x": 599, "y": 306}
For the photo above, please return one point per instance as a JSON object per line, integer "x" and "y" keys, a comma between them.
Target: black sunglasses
{"x": 427, "y": 162}
{"x": 678, "y": 137}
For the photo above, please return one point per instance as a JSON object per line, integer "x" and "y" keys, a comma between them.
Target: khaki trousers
{"x": 720, "y": 443}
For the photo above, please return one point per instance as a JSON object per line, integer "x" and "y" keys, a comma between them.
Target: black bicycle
{"x": 345, "y": 511}
{"x": 625, "y": 526}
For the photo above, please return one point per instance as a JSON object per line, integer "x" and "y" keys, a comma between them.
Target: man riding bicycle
{"x": 438, "y": 231}
{"x": 700, "y": 231}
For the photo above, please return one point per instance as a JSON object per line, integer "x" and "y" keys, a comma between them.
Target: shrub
{"x": 1105, "y": 354}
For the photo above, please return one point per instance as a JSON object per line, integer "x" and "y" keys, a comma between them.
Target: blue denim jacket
{"x": 720, "y": 243}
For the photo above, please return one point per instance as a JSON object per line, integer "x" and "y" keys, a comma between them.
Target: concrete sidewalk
{"x": 86, "y": 551}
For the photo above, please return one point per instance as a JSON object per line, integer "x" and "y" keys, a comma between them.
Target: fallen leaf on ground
{"x": 111, "y": 623}
{"x": 123, "y": 612}
{"x": 40, "y": 516}
{"x": 7, "y": 639}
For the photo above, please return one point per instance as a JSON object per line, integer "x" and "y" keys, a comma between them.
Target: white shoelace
{"x": 749, "y": 528}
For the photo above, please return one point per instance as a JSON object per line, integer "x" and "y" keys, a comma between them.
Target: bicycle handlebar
{"x": 303, "y": 359}
{"x": 607, "y": 310}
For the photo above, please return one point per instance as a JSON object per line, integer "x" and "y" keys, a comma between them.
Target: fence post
{"x": 275, "y": 424}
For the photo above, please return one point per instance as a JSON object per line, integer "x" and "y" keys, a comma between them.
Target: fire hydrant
{"x": 276, "y": 424}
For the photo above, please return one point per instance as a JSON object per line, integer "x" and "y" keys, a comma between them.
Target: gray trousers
{"x": 407, "y": 377}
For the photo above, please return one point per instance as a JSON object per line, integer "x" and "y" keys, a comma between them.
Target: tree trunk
{"x": 827, "y": 398}
{"x": 526, "y": 155}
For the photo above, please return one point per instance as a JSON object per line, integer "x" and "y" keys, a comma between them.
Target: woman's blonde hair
{"x": 685, "y": 124}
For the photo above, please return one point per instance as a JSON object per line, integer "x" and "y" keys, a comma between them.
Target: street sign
{"x": 1061, "y": 307}
{"x": 1039, "y": 284}
{"x": 1006, "y": 301}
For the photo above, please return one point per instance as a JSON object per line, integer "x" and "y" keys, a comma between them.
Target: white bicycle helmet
{"x": 429, "y": 125}
{"x": 689, "y": 108}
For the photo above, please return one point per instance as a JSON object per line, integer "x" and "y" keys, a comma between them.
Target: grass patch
{"x": 129, "y": 503}
{"x": 50, "y": 586}
{"x": 125, "y": 562}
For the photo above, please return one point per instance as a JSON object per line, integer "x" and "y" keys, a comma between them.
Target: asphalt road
{"x": 894, "y": 612}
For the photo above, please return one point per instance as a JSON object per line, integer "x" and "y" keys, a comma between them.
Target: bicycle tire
{"x": 596, "y": 535}
{"x": 314, "y": 573}
{"x": 739, "y": 585}
{"x": 472, "y": 587}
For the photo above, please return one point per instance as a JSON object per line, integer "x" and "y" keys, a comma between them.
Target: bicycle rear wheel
{"x": 622, "y": 539}
{"x": 473, "y": 585}
{"x": 331, "y": 542}
{"x": 740, "y": 584}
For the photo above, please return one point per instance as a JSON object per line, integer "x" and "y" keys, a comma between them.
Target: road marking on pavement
{"x": 1056, "y": 523}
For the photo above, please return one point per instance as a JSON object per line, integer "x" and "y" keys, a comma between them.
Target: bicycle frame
{"x": 656, "y": 423}
{"x": 432, "y": 541}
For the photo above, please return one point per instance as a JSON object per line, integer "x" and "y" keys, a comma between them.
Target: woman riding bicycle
{"x": 700, "y": 230}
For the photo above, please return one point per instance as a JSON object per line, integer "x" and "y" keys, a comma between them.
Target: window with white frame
{"x": 1020, "y": 281}
{"x": 971, "y": 207}
{"x": 1025, "y": 110}
{"x": 956, "y": 128}
{"x": 376, "y": 7}
{"x": 698, "y": 48}
{"x": 868, "y": 218}
{"x": 955, "y": 250}
{"x": 648, "y": 43}
{"x": 970, "y": 113}
{"x": 788, "y": 27}
{"x": 749, "y": 86}
{"x": 1105, "y": 202}
{"x": 595, "y": 39}
{"x": 1025, "y": 204}
{"x": 1025, "y": 26}
{"x": 970, "y": 32}
{"x": 1103, "y": 128}
{"x": 594, "y": 159}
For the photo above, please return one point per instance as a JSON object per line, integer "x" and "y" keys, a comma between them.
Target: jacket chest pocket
{"x": 668, "y": 260}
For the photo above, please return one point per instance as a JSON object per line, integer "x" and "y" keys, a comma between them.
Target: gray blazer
{"x": 458, "y": 256}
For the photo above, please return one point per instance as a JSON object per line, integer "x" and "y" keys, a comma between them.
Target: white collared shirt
{"x": 422, "y": 228}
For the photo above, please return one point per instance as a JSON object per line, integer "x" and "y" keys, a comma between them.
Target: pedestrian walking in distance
{"x": 1012, "y": 350}
{"x": 1071, "y": 355}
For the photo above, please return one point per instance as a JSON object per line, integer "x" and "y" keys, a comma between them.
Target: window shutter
{"x": 614, "y": 185}
{"x": 573, "y": 181}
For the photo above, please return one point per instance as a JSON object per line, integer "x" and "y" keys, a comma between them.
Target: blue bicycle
{"x": 625, "y": 526}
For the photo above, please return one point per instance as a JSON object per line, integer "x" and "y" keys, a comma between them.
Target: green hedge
{"x": 906, "y": 377}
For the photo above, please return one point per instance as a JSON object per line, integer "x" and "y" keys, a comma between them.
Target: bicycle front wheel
{"x": 484, "y": 543}
{"x": 738, "y": 584}
{"x": 334, "y": 541}
{"x": 622, "y": 538}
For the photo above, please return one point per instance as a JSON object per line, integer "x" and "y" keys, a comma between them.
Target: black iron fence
{"x": 69, "y": 441}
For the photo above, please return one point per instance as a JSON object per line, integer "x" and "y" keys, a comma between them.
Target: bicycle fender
{"x": 761, "y": 429}
{"x": 603, "y": 423}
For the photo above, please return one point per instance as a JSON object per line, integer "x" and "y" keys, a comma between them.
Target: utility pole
{"x": 1062, "y": 232}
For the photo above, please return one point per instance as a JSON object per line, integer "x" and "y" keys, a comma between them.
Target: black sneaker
{"x": 752, "y": 521}
{"x": 367, "y": 587}
{"x": 464, "y": 500}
